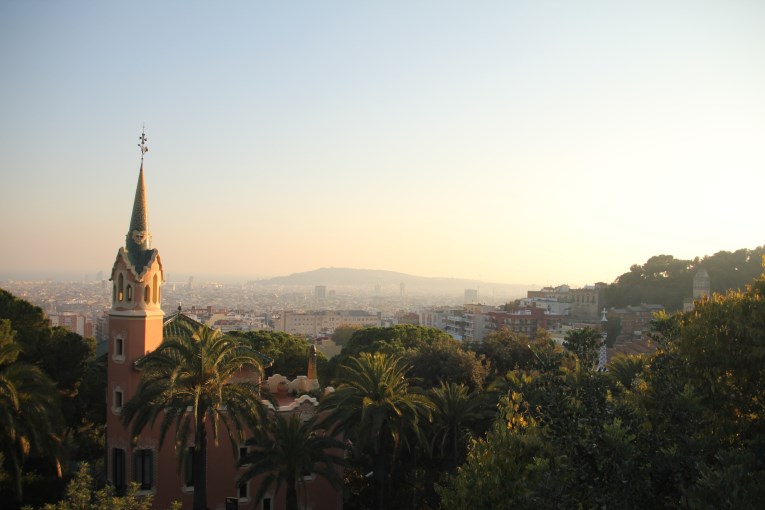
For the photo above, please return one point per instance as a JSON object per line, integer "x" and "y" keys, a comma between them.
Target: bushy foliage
{"x": 431, "y": 354}
{"x": 78, "y": 378}
{"x": 289, "y": 353}
{"x": 666, "y": 280}
{"x": 683, "y": 427}
{"x": 80, "y": 495}
{"x": 584, "y": 344}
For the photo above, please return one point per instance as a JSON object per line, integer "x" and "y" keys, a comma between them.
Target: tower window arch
{"x": 118, "y": 352}
{"x": 129, "y": 292}
{"x": 120, "y": 287}
{"x": 114, "y": 291}
{"x": 147, "y": 294}
{"x": 117, "y": 400}
{"x": 154, "y": 285}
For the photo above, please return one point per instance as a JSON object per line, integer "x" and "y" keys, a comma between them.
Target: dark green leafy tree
{"x": 398, "y": 340}
{"x": 734, "y": 480}
{"x": 187, "y": 384}
{"x": 378, "y": 410}
{"x": 584, "y": 344}
{"x": 69, "y": 362}
{"x": 288, "y": 449}
{"x": 290, "y": 353}
{"x": 393, "y": 339}
{"x": 666, "y": 280}
{"x": 29, "y": 411}
{"x": 80, "y": 495}
{"x": 504, "y": 350}
{"x": 28, "y": 321}
{"x": 503, "y": 469}
{"x": 342, "y": 334}
{"x": 431, "y": 363}
{"x": 702, "y": 392}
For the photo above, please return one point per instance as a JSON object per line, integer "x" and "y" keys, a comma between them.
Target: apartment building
{"x": 584, "y": 303}
{"x": 323, "y": 322}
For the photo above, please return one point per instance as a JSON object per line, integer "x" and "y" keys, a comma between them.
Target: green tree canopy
{"x": 667, "y": 281}
{"x": 290, "y": 353}
{"x": 682, "y": 427}
{"x": 343, "y": 334}
{"x": 29, "y": 411}
{"x": 504, "y": 350}
{"x": 446, "y": 360}
{"x": 584, "y": 344}
{"x": 68, "y": 361}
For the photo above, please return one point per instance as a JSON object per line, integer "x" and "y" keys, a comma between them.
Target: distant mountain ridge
{"x": 350, "y": 277}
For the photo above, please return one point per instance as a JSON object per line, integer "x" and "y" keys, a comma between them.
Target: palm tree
{"x": 625, "y": 369}
{"x": 187, "y": 382}
{"x": 459, "y": 415}
{"x": 286, "y": 450}
{"x": 29, "y": 409}
{"x": 376, "y": 408}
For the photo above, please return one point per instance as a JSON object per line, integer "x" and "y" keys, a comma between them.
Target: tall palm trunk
{"x": 455, "y": 452}
{"x": 292, "y": 498}
{"x": 200, "y": 465}
{"x": 379, "y": 472}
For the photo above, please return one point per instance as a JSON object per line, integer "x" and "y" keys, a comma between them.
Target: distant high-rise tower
{"x": 471, "y": 296}
{"x": 402, "y": 289}
{"x": 191, "y": 282}
{"x": 320, "y": 292}
{"x": 702, "y": 284}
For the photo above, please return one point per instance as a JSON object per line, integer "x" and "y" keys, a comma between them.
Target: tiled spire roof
{"x": 138, "y": 238}
{"x": 140, "y": 218}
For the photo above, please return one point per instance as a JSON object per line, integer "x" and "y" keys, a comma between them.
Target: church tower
{"x": 702, "y": 285}
{"x": 135, "y": 328}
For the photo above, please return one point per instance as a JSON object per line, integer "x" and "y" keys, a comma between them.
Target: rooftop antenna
{"x": 142, "y": 139}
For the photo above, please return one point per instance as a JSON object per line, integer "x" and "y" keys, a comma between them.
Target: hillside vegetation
{"x": 667, "y": 281}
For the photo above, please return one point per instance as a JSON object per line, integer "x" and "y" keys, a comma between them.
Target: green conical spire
{"x": 138, "y": 239}
{"x": 139, "y": 221}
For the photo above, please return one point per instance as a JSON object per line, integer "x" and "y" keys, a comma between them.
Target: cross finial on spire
{"x": 142, "y": 139}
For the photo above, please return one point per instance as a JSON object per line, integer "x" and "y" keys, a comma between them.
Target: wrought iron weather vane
{"x": 142, "y": 139}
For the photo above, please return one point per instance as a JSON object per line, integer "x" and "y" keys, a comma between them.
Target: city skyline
{"x": 531, "y": 142}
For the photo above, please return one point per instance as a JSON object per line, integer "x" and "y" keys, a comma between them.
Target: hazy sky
{"x": 536, "y": 142}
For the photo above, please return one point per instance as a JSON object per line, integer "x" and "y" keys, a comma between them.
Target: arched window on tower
{"x": 147, "y": 294}
{"x": 129, "y": 292}
{"x": 114, "y": 292}
{"x": 156, "y": 294}
{"x": 120, "y": 287}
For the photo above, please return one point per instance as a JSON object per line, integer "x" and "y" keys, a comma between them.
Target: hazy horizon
{"x": 64, "y": 276}
{"x": 531, "y": 142}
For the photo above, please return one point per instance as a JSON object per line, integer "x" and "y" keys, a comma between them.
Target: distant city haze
{"x": 532, "y": 142}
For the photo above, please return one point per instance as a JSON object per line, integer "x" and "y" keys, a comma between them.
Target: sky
{"x": 538, "y": 141}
